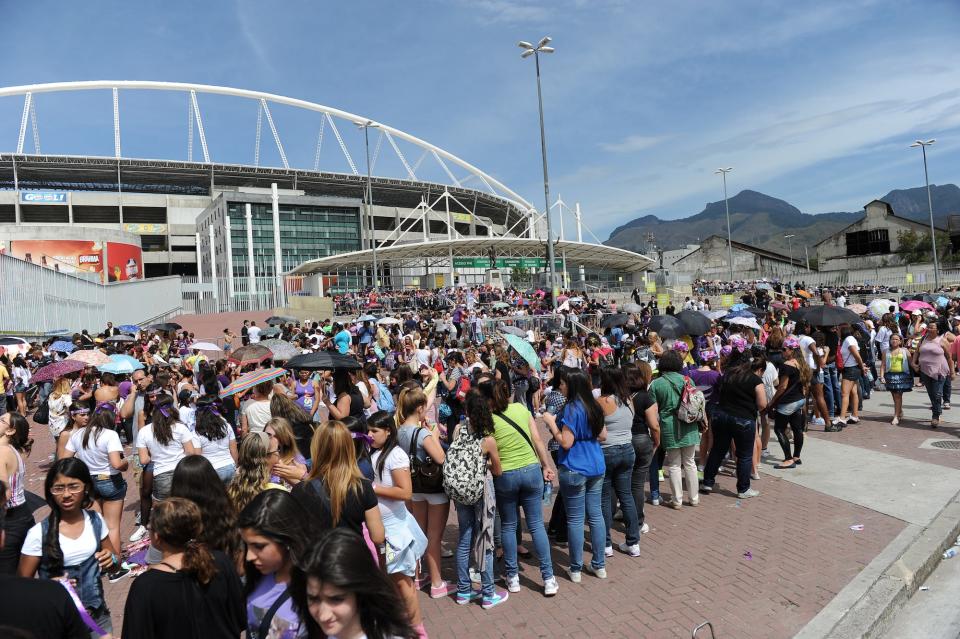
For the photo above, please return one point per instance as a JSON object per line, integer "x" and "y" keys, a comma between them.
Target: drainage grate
{"x": 949, "y": 444}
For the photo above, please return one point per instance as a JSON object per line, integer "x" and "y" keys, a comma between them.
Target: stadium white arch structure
{"x": 330, "y": 116}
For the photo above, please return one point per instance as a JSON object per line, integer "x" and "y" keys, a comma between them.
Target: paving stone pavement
{"x": 694, "y": 567}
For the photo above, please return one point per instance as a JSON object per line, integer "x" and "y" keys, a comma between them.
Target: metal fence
{"x": 222, "y": 296}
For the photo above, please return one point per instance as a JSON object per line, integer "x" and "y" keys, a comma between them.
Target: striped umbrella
{"x": 249, "y": 380}
{"x": 90, "y": 357}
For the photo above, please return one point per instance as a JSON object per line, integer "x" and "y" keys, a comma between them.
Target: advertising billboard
{"x": 124, "y": 262}
{"x": 68, "y": 256}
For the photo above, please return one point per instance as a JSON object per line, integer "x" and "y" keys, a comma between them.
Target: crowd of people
{"x": 284, "y": 498}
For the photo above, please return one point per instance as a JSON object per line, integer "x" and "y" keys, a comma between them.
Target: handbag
{"x": 426, "y": 476}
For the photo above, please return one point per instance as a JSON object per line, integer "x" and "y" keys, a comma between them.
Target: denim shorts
{"x": 790, "y": 407}
{"x": 852, "y": 373}
{"x": 161, "y": 485}
{"x": 817, "y": 377}
{"x": 113, "y": 488}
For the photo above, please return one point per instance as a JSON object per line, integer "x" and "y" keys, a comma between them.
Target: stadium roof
{"x": 414, "y": 254}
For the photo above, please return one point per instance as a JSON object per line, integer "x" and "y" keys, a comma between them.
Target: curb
{"x": 869, "y": 614}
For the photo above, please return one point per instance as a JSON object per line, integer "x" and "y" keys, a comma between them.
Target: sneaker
{"x": 853, "y": 420}
{"x": 633, "y": 549}
{"x": 499, "y": 596}
{"x": 608, "y": 551}
{"x": 705, "y": 489}
{"x": 818, "y": 421}
{"x": 599, "y": 573}
{"x": 896, "y": 420}
{"x": 445, "y": 552}
{"x": 946, "y": 406}
{"x": 441, "y": 591}
{"x": 118, "y": 574}
{"x": 765, "y": 453}
{"x": 139, "y": 533}
{"x": 513, "y": 583}
{"x": 655, "y": 500}
{"x": 839, "y": 422}
{"x": 575, "y": 577}
{"x": 755, "y": 476}
{"x": 550, "y": 587}
{"x": 644, "y": 529}
{"x": 831, "y": 428}
{"x": 465, "y": 598}
{"x": 748, "y": 493}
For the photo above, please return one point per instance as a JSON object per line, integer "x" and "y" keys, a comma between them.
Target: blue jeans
{"x": 743, "y": 432}
{"x": 617, "y": 479}
{"x": 466, "y": 520}
{"x": 831, "y": 389}
{"x": 522, "y": 487}
{"x": 934, "y": 386}
{"x": 583, "y": 494}
{"x": 226, "y": 473}
{"x": 655, "y": 463}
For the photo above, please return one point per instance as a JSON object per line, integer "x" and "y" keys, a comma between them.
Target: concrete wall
{"x": 144, "y": 300}
{"x": 712, "y": 262}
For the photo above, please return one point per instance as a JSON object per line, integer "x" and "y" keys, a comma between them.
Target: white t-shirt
{"x": 253, "y": 333}
{"x": 883, "y": 339}
{"x": 165, "y": 458}
{"x": 97, "y": 453}
{"x": 217, "y": 451}
{"x": 188, "y": 415}
{"x": 397, "y": 459}
{"x": 805, "y": 343}
{"x": 257, "y": 414}
{"x": 846, "y": 351}
{"x": 75, "y": 551}
{"x": 770, "y": 380}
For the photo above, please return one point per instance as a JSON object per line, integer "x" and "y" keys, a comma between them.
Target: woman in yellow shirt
{"x": 895, "y": 374}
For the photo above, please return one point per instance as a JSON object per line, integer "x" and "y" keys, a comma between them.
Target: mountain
{"x": 763, "y": 221}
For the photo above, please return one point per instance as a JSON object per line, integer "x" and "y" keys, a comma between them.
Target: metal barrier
{"x": 242, "y": 294}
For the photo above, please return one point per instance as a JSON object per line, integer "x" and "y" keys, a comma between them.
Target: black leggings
{"x": 796, "y": 425}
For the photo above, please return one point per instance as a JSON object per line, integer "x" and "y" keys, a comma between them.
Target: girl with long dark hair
{"x": 73, "y": 541}
{"x": 273, "y": 527}
{"x": 405, "y": 541}
{"x": 340, "y": 593}
{"x": 645, "y": 432}
{"x": 789, "y": 400}
{"x": 216, "y": 438}
{"x": 618, "y": 455}
{"x": 196, "y": 479}
{"x": 98, "y": 446}
{"x": 163, "y": 442}
{"x": 579, "y": 430}
{"x": 15, "y": 444}
{"x": 193, "y": 592}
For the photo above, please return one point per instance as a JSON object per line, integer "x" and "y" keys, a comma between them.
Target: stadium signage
{"x": 42, "y": 197}
{"x": 503, "y": 262}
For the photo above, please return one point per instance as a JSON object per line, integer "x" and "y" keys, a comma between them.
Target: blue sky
{"x": 812, "y": 102}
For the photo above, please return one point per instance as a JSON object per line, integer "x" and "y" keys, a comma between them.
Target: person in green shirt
{"x": 678, "y": 439}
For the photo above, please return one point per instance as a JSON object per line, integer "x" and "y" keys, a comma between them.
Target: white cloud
{"x": 632, "y": 143}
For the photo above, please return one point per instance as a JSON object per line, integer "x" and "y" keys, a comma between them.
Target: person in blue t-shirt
{"x": 341, "y": 339}
{"x": 579, "y": 429}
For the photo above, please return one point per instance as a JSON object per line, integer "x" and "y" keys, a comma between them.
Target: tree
{"x": 915, "y": 247}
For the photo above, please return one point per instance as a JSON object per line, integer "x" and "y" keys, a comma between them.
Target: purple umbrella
{"x": 57, "y": 369}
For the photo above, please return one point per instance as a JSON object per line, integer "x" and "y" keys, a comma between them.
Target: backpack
{"x": 465, "y": 469}
{"x": 693, "y": 405}
{"x": 385, "y": 401}
{"x": 607, "y": 360}
{"x": 42, "y": 416}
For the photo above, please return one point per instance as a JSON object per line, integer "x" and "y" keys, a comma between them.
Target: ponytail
{"x": 198, "y": 562}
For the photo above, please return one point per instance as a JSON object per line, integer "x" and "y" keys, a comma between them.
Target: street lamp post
{"x": 789, "y": 239}
{"x": 369, "y": 199}
{"x": 535, "y": 51}
{"x": 923, "y": 144}
{"x": 723, "y": 172}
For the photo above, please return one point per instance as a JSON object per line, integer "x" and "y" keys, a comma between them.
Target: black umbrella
{"x": 617, "y": 319}
{"x": 322, "y": 360}
{"x": 666, "y": 326}
{"x": 694, "y": 322}
{"x": 165, "y": 326}
{"x": 281, "y": 319}
{"x": 825, "y": 315}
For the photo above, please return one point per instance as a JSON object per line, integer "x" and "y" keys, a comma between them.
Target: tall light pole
{"x": 789, "y": 239}
{"x": 923, "y": 144}
{"x": 369, "y": 198}
{"x": 723, "y": 172}
{"x": 535, "y": 51}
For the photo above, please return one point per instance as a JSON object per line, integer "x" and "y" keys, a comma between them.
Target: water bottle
{"x": 548, "y": 493}
{"x": 951, "y": 552}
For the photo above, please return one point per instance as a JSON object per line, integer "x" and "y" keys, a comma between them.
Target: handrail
{"x": 162, "y": 316}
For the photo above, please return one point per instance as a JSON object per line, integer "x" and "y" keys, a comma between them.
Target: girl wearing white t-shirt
{"x": 405, "y": 543}
{"x": 163, "y": 442}
{"x": 98, "y": 446}
{"x": 65, "y": 544}
{"x": 216, "y": 438}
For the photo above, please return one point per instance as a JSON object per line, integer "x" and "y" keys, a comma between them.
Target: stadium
{"x": 119, "y": 218}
